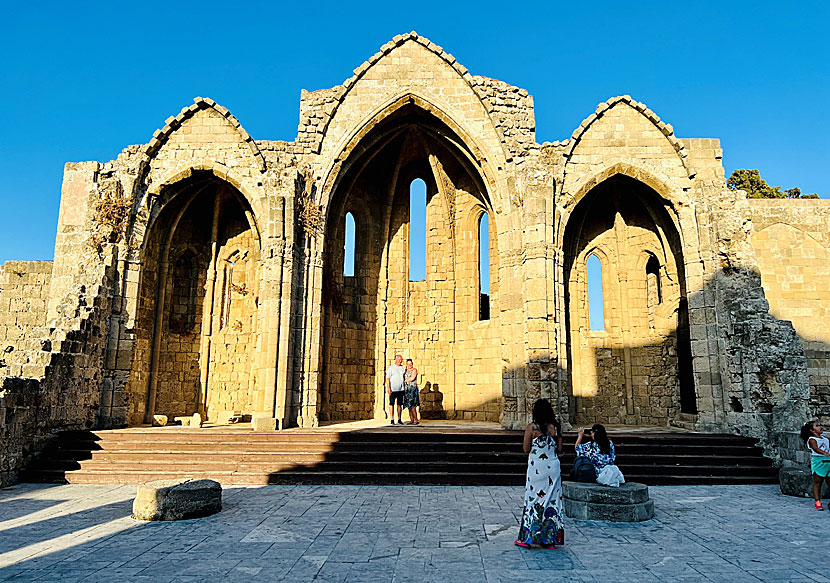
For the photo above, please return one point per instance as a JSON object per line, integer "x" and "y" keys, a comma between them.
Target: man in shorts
{"x": 394, "y": 387}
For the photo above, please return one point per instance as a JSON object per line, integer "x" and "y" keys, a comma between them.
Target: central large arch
{"x": 377, "y": 312}
{"x": 633, "y": 368}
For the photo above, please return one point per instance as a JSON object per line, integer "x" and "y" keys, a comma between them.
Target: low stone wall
{"x": 59, "y": 386}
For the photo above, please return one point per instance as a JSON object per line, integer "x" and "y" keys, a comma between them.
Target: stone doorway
{"x": 379, "y": 308}
{"x": 198, "y": 321}
{"x": 632, "y": 364}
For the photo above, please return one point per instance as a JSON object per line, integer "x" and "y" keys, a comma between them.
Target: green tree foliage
{"x": 750, "y": 181}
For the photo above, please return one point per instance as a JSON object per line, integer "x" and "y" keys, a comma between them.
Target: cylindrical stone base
{"x": 628, "y": 503}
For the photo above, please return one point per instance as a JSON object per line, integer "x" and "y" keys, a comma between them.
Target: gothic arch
{"x": 631, "y": 213}
{"x": 385, "y": 50}
{"x": 171, "y": 124}
{"x": 355, "y": 144}
{"x": 677, "y": 201}
{"x": 163, "y": 191}
{"x": 606, "y": 106}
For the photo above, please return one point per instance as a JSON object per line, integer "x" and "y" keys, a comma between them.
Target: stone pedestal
{"x": 263, "y": 423}
{"x": 628, "y": 503}
{"x": 798, "y": 481}
{"x": 177, "y": 499}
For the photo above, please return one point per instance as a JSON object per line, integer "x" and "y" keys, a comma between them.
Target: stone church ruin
{"x": 210, "y": 272}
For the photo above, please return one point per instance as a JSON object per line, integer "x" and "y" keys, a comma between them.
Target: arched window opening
{"x": 348, "y": 248}
{"x": 484, "y": 267}
{"x": 653, "y": 284}
{"x": 417, "y": 230}
{"x": 596, "y": 312}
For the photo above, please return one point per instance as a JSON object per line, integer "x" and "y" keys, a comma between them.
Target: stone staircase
{"x": 399, "y": 455}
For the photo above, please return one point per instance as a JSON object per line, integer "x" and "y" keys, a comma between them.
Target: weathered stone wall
{"x": 24, "y": 295}
{"x": 61, "y": 384}
{"x": 350, "y": 390}
{"x": 792, "y": 244}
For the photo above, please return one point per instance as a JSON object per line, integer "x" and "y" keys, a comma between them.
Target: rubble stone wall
{"x": 792, "y": 244}
{"x": 61, "y": 386}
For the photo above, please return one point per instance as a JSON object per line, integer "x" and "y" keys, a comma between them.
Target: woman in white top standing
{"x": 819, "y": 447}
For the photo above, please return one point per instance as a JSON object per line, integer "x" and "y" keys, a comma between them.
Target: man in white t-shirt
{"x": 394, "y": 387}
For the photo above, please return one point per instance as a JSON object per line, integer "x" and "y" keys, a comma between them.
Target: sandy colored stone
{"x": 177, "y": 499}
{"x": 259, "y": 423}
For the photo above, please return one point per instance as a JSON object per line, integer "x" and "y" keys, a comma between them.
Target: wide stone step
{"x": 358, "y": 455}
{"x": 392, "y": 455}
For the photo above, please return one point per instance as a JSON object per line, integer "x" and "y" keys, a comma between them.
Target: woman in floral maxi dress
{"x": 542, "y": 518}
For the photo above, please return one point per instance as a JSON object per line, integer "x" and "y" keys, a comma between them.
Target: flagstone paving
{"x": 731, "y": 534}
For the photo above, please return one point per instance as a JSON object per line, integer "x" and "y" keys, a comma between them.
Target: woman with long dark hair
{"x": 819, "y": 447}
{"x": 600, "y": 451}
{"x": 542, "y": 518}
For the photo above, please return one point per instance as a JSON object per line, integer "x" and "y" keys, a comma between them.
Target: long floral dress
{"x": 542, "y": 518}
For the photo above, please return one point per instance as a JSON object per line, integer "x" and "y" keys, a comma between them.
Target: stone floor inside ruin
{"x": 368, "y": 533}
{"x": 384, "y": 425}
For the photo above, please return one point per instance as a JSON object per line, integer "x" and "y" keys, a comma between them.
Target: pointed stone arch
{"x": 173, "y": 123}
{"x": 159, "y": 194}
{"x": 343, "y": 90}
{"x": 677, "y": 200}
{"x": 354, "y": 144}
{"x": 626, "y": 100}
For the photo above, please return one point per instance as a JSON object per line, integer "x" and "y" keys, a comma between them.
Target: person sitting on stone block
{"x": 599, "y": 451}
{"x": 819, "y": 447}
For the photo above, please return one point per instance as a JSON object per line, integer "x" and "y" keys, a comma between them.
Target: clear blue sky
{"x": 81, "y": 80}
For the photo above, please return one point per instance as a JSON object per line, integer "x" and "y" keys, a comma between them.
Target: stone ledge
{"x": 177, "y": 499}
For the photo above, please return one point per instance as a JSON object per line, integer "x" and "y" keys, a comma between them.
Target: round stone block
{"x": 609, "y": 512}
{"x": 628, "y": 493}
{"x": 177, "y": 499}
{"x": 628, "y": 503}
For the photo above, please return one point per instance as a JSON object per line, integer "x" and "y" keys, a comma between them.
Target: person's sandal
{"x": 549, "y": 547}
{"x": 818, "y": 505}
{"x": 519, "y": 543}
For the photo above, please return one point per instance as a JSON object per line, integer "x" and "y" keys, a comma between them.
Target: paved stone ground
{"x": 732, "y": 534}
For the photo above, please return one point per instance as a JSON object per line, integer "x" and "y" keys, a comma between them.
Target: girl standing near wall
{"x": 819, "y": 447}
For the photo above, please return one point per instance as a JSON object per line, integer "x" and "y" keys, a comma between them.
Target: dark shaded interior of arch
{"x": 640, "y": 206}
{"x": 192, "y": 201}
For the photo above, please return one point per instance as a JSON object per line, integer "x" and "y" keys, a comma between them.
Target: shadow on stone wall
{"x": 432, "y": 402}
{"x": 750, "y": 373}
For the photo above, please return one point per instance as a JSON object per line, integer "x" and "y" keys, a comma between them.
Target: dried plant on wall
{"x": 109, "y": 216}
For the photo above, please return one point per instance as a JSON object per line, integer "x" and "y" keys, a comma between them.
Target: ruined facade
{"x": 205, "y": 271}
